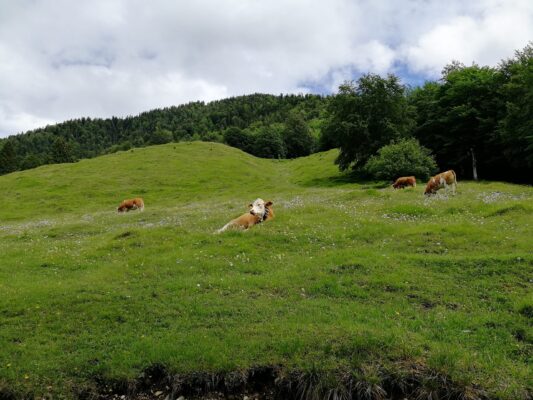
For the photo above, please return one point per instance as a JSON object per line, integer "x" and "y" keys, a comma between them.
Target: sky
{"x": 67, "y": 59}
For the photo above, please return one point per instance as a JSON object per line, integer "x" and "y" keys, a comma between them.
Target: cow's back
{"x": 450, "y": 177}
{"x": 405, "y": 181}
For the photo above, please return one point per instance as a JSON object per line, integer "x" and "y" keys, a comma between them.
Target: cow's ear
{"x": 250, "y": 205}
{"x": 268, "y": 203}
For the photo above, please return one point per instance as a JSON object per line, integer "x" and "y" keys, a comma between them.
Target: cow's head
{"x": 430, "y": 187}
{"x": 122, "y": 207}
{"x": 258, "y": 207}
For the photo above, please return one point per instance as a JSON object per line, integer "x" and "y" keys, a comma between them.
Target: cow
{"x": 131, "y": 204}
{"x": 259, "y": 211}
{"x": 442, "y": 180}
{"x": 404, "y": 181}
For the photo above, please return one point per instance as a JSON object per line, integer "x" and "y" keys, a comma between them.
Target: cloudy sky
{"x": 64, "y": 59}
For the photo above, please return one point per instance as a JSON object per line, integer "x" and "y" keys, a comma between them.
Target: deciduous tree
{"x": 366, "y": 115}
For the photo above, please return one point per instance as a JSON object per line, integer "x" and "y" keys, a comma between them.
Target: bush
{"x": 404, "y": 158}
{"x": 161, "y": 136}
{"x": 213, "y": 137}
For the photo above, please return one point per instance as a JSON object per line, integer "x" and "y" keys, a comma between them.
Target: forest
{"x": 475, "y": 119}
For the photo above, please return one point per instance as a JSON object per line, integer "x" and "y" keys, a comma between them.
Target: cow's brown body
{"x": 131, "y": 204}
{"x": 442, "y": 180}
{"x": 251, "y": 218}
{"x": 404, "y": 181}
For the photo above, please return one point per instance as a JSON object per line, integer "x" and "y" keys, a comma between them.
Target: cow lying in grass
{"x": 131, "y": 204}
{"x": 259, "y": 211}
{"x": 442, "y": 180}
{"x": 404, "y": 181}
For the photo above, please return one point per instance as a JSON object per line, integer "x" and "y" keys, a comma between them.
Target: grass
{"x": 354, "y": 277}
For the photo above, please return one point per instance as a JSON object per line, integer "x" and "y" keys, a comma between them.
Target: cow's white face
{"x": 258, "y": 207}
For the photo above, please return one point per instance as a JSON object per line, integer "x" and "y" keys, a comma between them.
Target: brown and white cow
{"x": 404, "y": 181}
{"x": 259, "y": 211}
{"x": 442, "y": 180}
{"x": 131, "y": 204}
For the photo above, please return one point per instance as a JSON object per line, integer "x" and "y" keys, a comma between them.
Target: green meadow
{"x": 348, "y": 278}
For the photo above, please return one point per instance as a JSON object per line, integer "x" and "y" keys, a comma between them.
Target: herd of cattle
{"x": 260, "y": 211}
{"x": 439, "y": 181}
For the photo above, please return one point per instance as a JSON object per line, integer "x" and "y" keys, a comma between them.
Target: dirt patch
{"x": 424, "y": 303}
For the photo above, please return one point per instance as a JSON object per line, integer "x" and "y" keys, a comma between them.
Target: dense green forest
{"x": 476, "y": 119}
{"x": 254, "y": 116}
{"x": 479, "y": 120}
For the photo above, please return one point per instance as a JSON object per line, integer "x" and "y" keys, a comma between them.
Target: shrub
{"x": 161, "y": 136}
{"x": 213, "y": 137}
{"x": 403, "y": 158}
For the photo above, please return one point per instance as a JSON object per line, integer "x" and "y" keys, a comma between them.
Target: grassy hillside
{"x": 348, "y": 277}
{"x": 90, "y": 137}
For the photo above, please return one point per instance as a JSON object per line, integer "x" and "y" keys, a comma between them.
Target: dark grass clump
{"x": 369, "y": 382}
{"x": 516, "y": 208}
{"x": 527, "y": 311}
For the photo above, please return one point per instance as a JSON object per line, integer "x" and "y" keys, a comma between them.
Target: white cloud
{"x": 485, "y": 38}
{"x": 64, "y": 59}
{"x": 13, "y": 120}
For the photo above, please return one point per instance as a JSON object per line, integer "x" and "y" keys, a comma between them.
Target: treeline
{"x": 263, "y": 125}
{"x": 476, "y": 120}
{"x": 479, "y": 120}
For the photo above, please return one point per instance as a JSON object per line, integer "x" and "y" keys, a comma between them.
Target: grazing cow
{"x": 404, "y": 181}
{"x": 259, "y": 212}
{"x": 131, "y": 204}
{"x": 442, "y": 180}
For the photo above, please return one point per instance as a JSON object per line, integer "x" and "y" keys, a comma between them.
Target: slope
{"x": 350, "y": 278}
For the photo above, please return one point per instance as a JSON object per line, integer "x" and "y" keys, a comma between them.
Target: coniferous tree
{"x": 8, "y": 158}
{"x": 61, "y": 151}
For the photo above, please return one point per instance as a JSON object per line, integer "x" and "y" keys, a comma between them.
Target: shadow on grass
{"x": 345, "y": 179}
